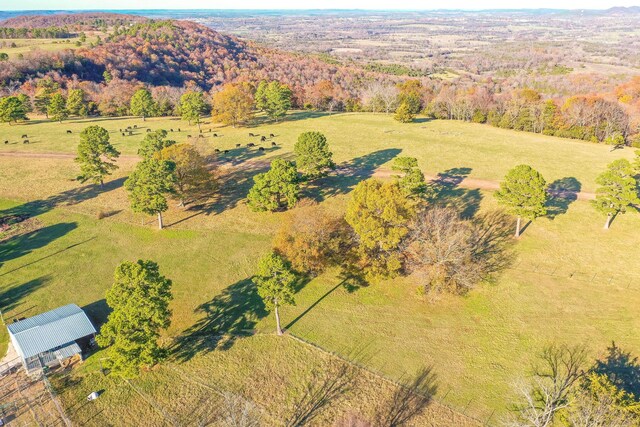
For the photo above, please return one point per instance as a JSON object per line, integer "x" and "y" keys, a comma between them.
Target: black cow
{"x": 148, "y": 130}
{"x": 179, "y": 130}
{"x": 215, "y": 135}
{"x": 6, "y": 142}
{"x": 68, "y": 131}
{"x": 251, "y": 144}
{"x": 250, "y": 134}
{"x": 171, "y": 130}
{"x": 188, "y": 136}
{"x": 135, "y": 126}
{"x": 238, "y": 145}
{"x": 24, "y": 136}
{"x": 26, "y": 141}
{"x": 261, "y": 148}
{"x": 273, "y": 144}
{"x": 263, "y": 138}
{"x": 226, "y": 151}
{"x": 130, "y": 133}
{"x": 216, "y": 150}
{"x": 271, "y": 135}
{"x": 200, "y": 130}
{"x": 123, "y": 134}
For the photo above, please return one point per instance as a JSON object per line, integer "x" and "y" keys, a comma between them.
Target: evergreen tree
{"x": 12, "y": 110}
{"x": 275, "y": 282}
{"x": 148, "y": 187}
{"x": 57, "y": 108}
{"x": 274, "y": 99}
{"x": 142, "y": 104}
{"x": 403, "y": 113}
{"x": 139, "y": 298}
{"x": 45, "y": 89}
{"x": 618, "y": 190}
{"x": 313, "y": 157}
{"x": 412, "y": 181}
{"x": 94, "y": 146}
{"x": 275, "y": 189}
{"x": 76, "y": 103}
{"x": 153, "y": 143}
{"x": 524, "y": 193}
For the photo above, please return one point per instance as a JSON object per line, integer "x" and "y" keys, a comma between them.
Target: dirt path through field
{"x": 470, "y": 183}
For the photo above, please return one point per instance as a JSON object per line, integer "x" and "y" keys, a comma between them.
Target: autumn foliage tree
{"x": 192, "y": 178}
{"x": 312, "y": 239}
{"x": 233, "y": 105}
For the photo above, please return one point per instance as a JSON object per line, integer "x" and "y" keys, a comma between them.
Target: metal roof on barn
{"x": 50, "y": 330}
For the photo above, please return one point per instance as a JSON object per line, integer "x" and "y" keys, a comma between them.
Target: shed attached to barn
{"x": 50, "y": 338}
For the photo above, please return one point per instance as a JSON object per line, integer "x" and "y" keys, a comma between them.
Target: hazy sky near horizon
{"x": 307, "y": 4}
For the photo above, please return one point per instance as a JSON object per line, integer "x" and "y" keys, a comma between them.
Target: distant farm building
{"x": 49, "y": 339}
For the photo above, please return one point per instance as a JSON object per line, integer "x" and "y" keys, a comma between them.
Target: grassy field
{"x": 25, "y": 46}
{"x": 572, "y": 282}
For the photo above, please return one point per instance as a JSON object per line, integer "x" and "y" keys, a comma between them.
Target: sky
{"x": 308, "y": 4}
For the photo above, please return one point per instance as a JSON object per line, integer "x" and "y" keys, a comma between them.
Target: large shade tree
{"x": 192, "y": 107}
{"x": 96, "y": 155}
{"x": 233, "y": 105}
{"x": 154, "y": 142}
{"x": 275, "y": 282}
{"x": 618, "y": 190}
{"x": 192, "y": 177}
{"x": 142, "y": 104}
{"x": 12, "y": 110}
{"x": 275, "y": 189}
{"x": 379, "y": 213}
{"x": 313, "y": 156}
{"x": 139, "y": 298}
{"x": 523, "y": 192}
{"x": 57, "y": 108}
{"x": 274, "y": 98}
{"x": 149, "y": 185}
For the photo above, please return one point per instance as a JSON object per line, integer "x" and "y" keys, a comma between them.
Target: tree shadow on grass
{"x": 347, "y": 175}
{"x": 291, "y": 117}
{"x": 231, "y": 314}
{"x": 445, "y": 191}
{"x": 65, "y": 198}
{"x": 23, "y": 244}
{"x": 409, "y": 400}
{"x": 12, "y": 297}
{"x": 621, "y": 368}
{"x": 562, "y": 192}
{"x": 98, "y": 312}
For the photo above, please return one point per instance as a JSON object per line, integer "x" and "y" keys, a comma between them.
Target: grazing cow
{"x": 188, "y": 136}
{"x": 24, "y": 136}
{"x": 261, "y": 148}
{"x": 273, "y": 144}
{"x": 6, "y": 142}
{"x": 179, "y": 130}
{"x": 250, "y": 134}
{"x": 263, "y": 138}
{"x": 120, "y": 130}
{"x": 200, "y": 130}
{"x": 226, "y": 151}
{"x": 271, "y": 135}
{"x": 130, "y": 133}
{"x": 148, "y": 130}
{"x": 171, "y": 130}
{"x": 215, "y": 135}
{"x": 209, "y": 130}
{"x": 123, "y": 134}
{"x": 216, "y": 150}
{"x": 68, "y": 131}
{"x": 26, "y": 141}
{"x": 238, "y": 145}
{"x": 200, "y": 136}
{"x": 251, "y": 144}
{"x": 135, "y": 126}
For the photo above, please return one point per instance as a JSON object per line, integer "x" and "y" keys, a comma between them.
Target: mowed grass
{"x": 439, "y": 145}
{"x": 572, "y": 282}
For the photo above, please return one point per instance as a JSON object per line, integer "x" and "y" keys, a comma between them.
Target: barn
{"x": 51, "y": 338}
